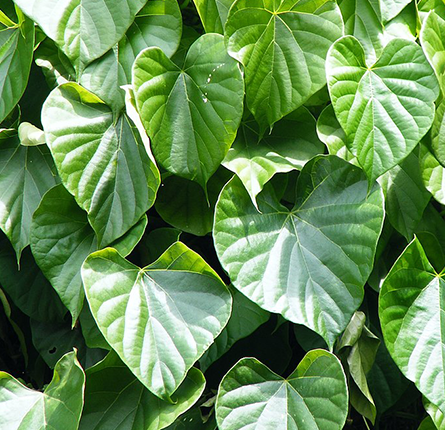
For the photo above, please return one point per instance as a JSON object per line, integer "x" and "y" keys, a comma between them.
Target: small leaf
{"x": 159, "y": 321}
{"x": 384, "y": 109}
{"x": 313, "y": 396}
{"x": 113, "y": 392}
{"x": 433, "y": 174}
{"x": 213, "y": 14}
{"x": 191, "y": 115}
{"x": 391, "y": 8}
{"x": 59, "y": 406}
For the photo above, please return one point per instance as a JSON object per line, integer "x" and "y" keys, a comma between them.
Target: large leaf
{"x": 309, "y": 263}
{"x": 159, "y": 321}
{"x": 26, "y": 173}
{"x": 191, "y": 114}
{"x": 59, "y": 406}
{"x": 411, "y": 308}
{"x": 61, "y": 239}
{"x": 100, "y": 159}
{"x": 16, "y": 50}
{"x": 83, "y": 29}
{"x": 257, "y": 160}
{"x": 115, "y": 399}
{"x": 384, "y": 109}
{"x": 213, "y": 14}
{"x": 314, "y": 396}
{"x": 283, "y": 46}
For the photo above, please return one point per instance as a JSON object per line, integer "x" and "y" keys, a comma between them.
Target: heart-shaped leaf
{"x": 411, "y": 307}
{"x": 191, "y": 114}
{"x": 83, "y": 29}
{"x": 309, "y": 263}
{"x": 61, "y": 239}
{"x": 314, "y": 396}
{"x": 384, "y": 109}
{"x": 100, "y": 159}
{"x": 59, "y": 406}
{"x": 256, "y": 160}
{"x": 159, "y": 321}
{"x": 283, "y": 47}
{"x": 127, "y": 397}
{"x": 17, "y": 46}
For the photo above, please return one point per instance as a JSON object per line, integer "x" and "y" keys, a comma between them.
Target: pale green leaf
{"x": 391, "y": 8}
{"x": 433, "y": 174}
{"x": 435, "y": 414}
{"x": 314, "y": 396}
{"x": 323, "y": 248}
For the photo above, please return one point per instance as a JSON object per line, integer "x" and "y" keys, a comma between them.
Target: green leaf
{"x": 159, "y": 321}
{"x": 156, "y": 242}
{"x": 405, "y": 25}
{"x": 432, "y": 174}
{"x": 427, "y": 424}
{"x": 405, "y": 195}
{"x": 256, "y": 160}
{"x": 184, "y": 205}
{"x": 26, "y": 173}
{"x": 101, "y": 160}
{"x": 213, "y": 14}
{"x": 425, "y": 6}
{"x": 90, "y": 332}
{"x": 16, "y": 50}
{"x": 438, "y": 132}
{"x": 391, "y": 8}
{"x": 358, "y": 346}
{"x": 30, "y": 135}
{"x": 61, "y": 239}
{"x": 411, "y": 305}
{"x": 59, "y": 406}
{"x": 283, "y": 47}
{"x": 435, "y": 414}
{"x": 313, "y": 396}
{"x": 191, "y": 114}
{"x": 83, "y": 29}
{"x": 363, "y": 20}
{"x": 384, "y": 109}
{"x": 245, "y": 319}
{"x": 115, "y": 399}
{"x": 323, "y": 248}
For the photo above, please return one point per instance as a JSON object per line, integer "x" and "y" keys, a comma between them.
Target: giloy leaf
{"x": 313, "y": 396}
{"x": 309, "y": 263}
{"x": 59, "y": 406}
{"x": 190, "y": 114}
{"x": 100, "y": 159}
{"x": 159, "y": 321}
{"x": 283, "y": 47}
{"x": 411, "y": 304}
{"x": 384, "y": 109}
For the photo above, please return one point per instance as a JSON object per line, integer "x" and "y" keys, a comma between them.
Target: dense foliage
{"x": 222, "y": 214}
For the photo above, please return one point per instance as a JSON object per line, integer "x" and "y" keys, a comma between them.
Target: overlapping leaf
{"x": 384, "y": 109}
{"x": 411, "y": 308}
{"x": 159, "y": 319}
{"x": 59, "y": 406}
{"x": 313, "y": 396}
{"x": 309, "y": 263}
{"x": 283, "y": 47}
{"x": 101, "y": 160}
{"x": 191, "y": 114}
{"x": 213, "y": 14}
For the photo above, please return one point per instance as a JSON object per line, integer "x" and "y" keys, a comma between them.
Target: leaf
{"x": 432, "y": 174}
{"x": 16, "y": 50}
{"x": 115, "y": 399}
{"x": 384, "y": 109}
{"x": 410, "y": 306}
{"x": 90, "y": 332}
{"x": 61, "y": 240}
{"x": 30, "y": 135}
{"x": 257, "y": 160}
{"x": 153, "y": 244}
{"x": 190, "y": 114}
{"x": 332, "y": 135}
{"x": 83, "y": 29}
{"x": 213, "y": 14}
{"x": 405, "y": 25}
{"x": 391, "y": 8}
{"x": 427, "y": 424}
{"x": 363, "y": 20}
{"x": 323, "y": 248}
{"x": 283, "y": 47}
{"x": 159, "y": 321}
{"x": 184, "y": 205}
{"x": 435, "y": 414}
{"x": 59, "y": 406}
{"x": 101, "y": 160}
{"x": 26, "y": 173}
{"x": 245, "y": 319}
{"x": 425, "y": 6}
{"x": 359, "y": 346}
{"x": 313, "y": 396}
{"x": 406, "y": 196}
